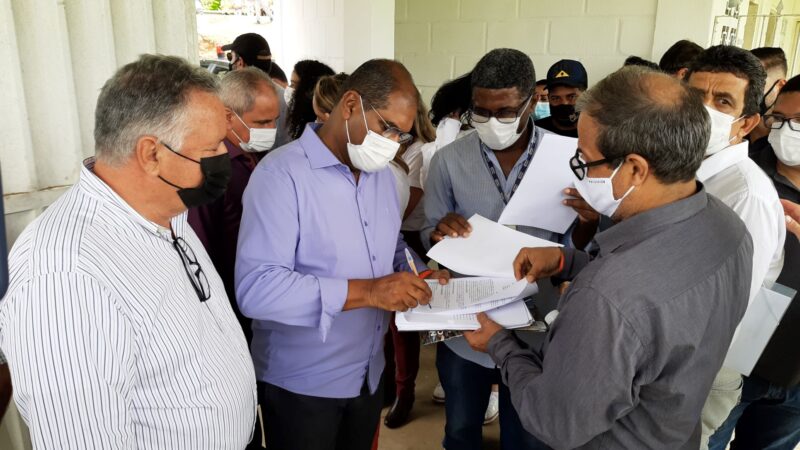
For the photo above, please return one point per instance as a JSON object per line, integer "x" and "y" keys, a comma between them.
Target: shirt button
{"x": 366, "y": 224}
{"x": 374, "y": 258}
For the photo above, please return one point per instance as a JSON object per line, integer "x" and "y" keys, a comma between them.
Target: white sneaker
{"x": 493, "y": 410}
{"x": 438, "y": 394}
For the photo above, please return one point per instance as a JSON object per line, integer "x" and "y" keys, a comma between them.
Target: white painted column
{"x": 91, "y": 42}
{"x": 134, "y": 31}
{"x": 175, "y": 26}
{"x": 17, "y": 163}
{"x": 49, "y": 89}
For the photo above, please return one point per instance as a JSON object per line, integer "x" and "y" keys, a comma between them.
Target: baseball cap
{"x": 567, "y": 72}
{"x": 252, "y": 48}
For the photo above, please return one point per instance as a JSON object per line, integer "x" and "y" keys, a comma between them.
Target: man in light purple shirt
{"x": 319, "y": 246}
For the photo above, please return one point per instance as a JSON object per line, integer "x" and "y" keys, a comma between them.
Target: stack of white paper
{"x": 488, "y": 254}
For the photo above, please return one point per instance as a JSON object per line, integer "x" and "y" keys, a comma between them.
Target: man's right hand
{"x": 537, "y": 263}
{"x": 398, "y": 292}
{"x": 452, "y": 225}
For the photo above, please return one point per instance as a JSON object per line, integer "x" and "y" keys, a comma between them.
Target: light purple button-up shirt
{"x": 306, "y": 229}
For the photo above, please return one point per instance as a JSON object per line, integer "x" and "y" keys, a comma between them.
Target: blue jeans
{"x": 467, "y": 387}
{"x": 767, "y": 418}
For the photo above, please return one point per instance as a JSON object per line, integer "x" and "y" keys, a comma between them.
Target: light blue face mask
{"x": 541, "y": 110}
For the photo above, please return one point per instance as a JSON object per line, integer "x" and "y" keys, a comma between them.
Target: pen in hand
{"x": 413, "y": 266}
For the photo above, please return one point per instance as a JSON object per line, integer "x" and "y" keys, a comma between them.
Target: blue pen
{"x": 413, "y": 266}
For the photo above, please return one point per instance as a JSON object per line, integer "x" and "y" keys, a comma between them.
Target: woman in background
{"x": 299, "y": 95}
{"x": 326, "y": 95}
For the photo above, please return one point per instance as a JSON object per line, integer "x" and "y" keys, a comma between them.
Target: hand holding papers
{"x": 489, "y": 251}
{"x": 538, "y": 199}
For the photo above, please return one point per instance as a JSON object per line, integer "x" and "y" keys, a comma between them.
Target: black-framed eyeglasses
{"x": 776, "y": 121}
{"x": 193, "y": 270}
{"x": 391, "y": 132}
{"x": 504, "y": 116}
{"x": 580, "y": 168}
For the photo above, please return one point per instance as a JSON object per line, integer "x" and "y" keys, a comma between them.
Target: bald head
{"x": 377, "y": 79}
{"x": 653, "y": 115}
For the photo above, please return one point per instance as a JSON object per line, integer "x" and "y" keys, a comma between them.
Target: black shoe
{"x": 398, "y": 414}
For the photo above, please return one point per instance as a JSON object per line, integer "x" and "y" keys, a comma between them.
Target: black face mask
{"x": 564, "y": 115}
{"x": 216, "y": 174}
{"x": 763, "y": 108}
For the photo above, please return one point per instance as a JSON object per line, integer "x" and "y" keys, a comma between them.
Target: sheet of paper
{"x": 489, "y": 251}
{"x": 537, "y": 201}
{"x": 473, "y": 295}
{"x": 513, "y": 315}
{"x": 756, "y": 328}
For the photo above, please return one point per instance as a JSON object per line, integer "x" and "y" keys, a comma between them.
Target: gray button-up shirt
{"x": 642, "y": 331}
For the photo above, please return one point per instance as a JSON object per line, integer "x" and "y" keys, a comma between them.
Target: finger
{"x": 577, "y": 204}
{"x": 437, "y": 236}
{"x": 446, "y": 229}
{"x": 793, "y": 226}
{"x": 443, "y": 276}
{"x": 572, "y": 192}
{"x": 419, "y": 295}
{"x": 792, "y": 209}
{"x": 463, "y": 222}
{"x": 484, "y": 319}
{"x": 520, "y": 263}
{"x": 410, "y": 302}
{"x": 457, "y": 226}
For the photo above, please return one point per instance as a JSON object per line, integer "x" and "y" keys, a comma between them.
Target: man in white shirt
{"x": 732, "y": 82}
{"x": 116, "y": 326}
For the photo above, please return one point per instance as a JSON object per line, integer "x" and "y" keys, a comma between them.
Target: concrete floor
{"x": 426, "y": 429}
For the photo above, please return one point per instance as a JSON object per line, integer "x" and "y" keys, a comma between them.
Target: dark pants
{"x": 767, "y": 418}
{"x": 294, "y": 421}
{"x": 467, "y": 387}
{"x": 402, "y": 358}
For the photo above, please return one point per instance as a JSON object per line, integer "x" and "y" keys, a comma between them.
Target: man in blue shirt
{"x": 479, "y": 174}
{"x": 319, "y": 246}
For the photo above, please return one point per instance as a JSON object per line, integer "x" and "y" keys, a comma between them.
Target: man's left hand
{"x": 442, "y": 275}
{"x": 479, "y": 339}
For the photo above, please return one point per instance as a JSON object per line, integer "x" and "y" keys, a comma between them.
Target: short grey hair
{"x": 652, "y": 115}
{"x": 503, "y": 68}
{"x": 146, "y": 97}
{"x": 238, "y": 89}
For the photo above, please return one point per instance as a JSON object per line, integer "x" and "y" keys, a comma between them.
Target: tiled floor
{"x": 426, "y": 429}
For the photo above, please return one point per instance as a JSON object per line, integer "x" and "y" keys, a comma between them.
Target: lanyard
{"x": 496, "y": 178}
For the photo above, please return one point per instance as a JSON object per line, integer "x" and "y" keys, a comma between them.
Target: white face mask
{"x": 599, "y": 193}
{"x": 288, "y": 93}
{"x": 721, "y": 124}
{"x": 786, "y": 144}
{"x": 375, "y": 153}
{"x": 500, "y": 136}
{"x": 261, "y": 139}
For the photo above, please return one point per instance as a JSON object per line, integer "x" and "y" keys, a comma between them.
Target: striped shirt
{"x": 108, "y": 344}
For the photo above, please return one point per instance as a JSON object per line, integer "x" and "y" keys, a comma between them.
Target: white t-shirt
{"x": 413, "y": 158}
{"x": 403, "y": 187}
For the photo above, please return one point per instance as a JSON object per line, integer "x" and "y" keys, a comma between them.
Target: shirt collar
{"x": 648, "y": 223}
{"x": 318, "y": 154}
{"x": 768, "y": 162}
{"x": 97, "y": 188}
{"x": 721, "y": 160}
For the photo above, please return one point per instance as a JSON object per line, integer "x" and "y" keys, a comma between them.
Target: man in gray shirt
{"x": 645, "y": 326}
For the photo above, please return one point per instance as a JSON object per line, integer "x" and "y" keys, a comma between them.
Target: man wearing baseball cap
{"x": 251, "y": 49}
{"x": 566, "y": 81}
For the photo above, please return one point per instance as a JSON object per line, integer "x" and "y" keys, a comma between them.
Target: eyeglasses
{"x": 193, "y": 270}
{"x": 391, "y": 132}
{"x": 579, "y": 168}
{"x": 776, "y": 121}
{"x": 505, "y": 116}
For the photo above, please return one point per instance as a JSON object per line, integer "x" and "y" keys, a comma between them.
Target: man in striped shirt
{"x": 116, "y": 326}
